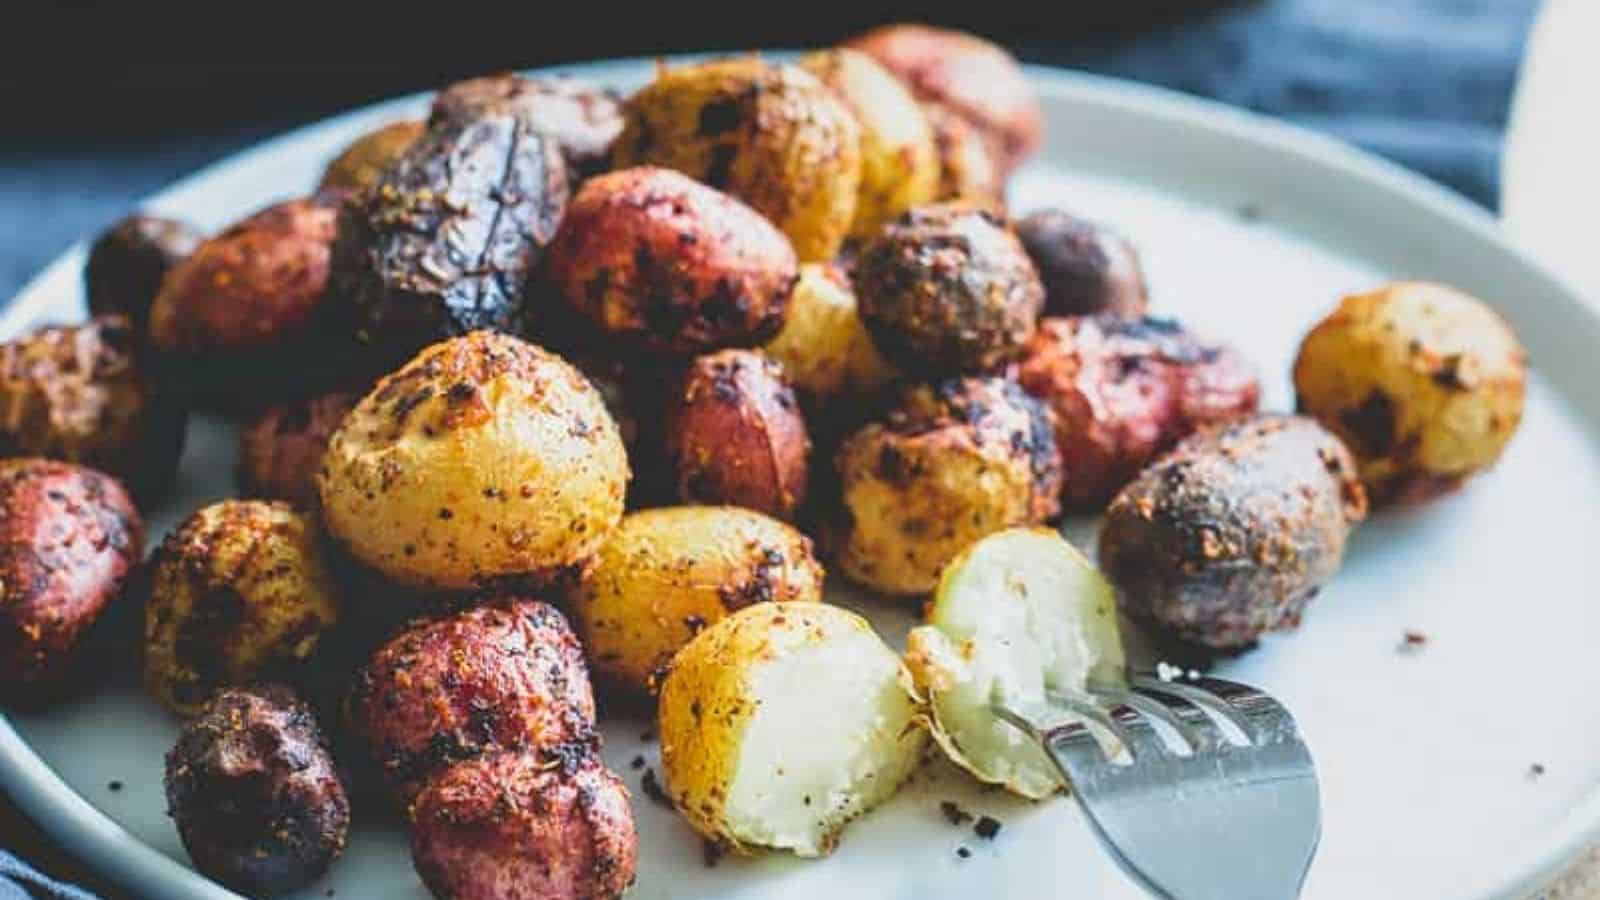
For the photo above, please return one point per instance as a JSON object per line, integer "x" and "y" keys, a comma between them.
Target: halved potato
{"x": 1017, "y": 612}
{"x": 784, "y": 721}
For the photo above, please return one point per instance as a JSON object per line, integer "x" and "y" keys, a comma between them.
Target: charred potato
{"x": 81, "y": 393}
{"x": 1124, "y": 390}
{"x": 824, "y": 346}
{"x": 69, "y": 538}
{"x": 1086, "y": 268}
{"x": 968, "y": 171}
{"x": 657, "y": 259}
{"x": 254, "y": 792}
{"x": 753, "y": 762}
{"x": 510, "y": 825}
{"x": 771, "y": 135}
{"x": 583, "y": 119}
{"x": 1230, "y": 534}
{"x": 128, "y": 261}
{"x": 1425, "y": 384}
{"x": 360, "y": 165}
{"x": 507, "y": 675}
{"x": 667, "y": 573}
{"x": 899, "y": 160}
{"x": 954, "y": 462}
{"x": 280, "y": 451}
{"x": 947, "y": 289}
{"x": 484, "y": 459}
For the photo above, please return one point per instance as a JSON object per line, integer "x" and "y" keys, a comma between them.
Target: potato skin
{"x": 128, "y": 261}
{"x": 771, "y": 135}
{"x": 360, "y": 164}
{"x": 651, "y": 256}
{"x": 1230, "y": 534}
{"x": 510, "y": 825}
{"x": 240, "y": 591}
{"x": 255, "y": 793}
{"x": 582, "y": 118}
{"x": 484, "y": 461}
{"x": 947, "y": 289}
{"x": 824, "y": 346}
{"x": 506, "y": 675}
{"x": 1425, "y": 384}
{"x": 968, "y": 170}
{"x": 1124, "y": 390}
{"x": 667, "y": 573}
{"x": 279, "y": 451}
{"x": 82, "y": 393}
{"x": 1086, "y": 267}
{"x": 953, "y": 462}
{"x": 69, "y": 538}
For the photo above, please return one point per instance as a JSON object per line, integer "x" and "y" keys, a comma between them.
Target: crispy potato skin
{"x": 81, "y": 393}
{"x": 360, "y": 165}
{"x": 509, "y": 825}
{"x": 947, "y": 289}
{"x": 973, "y": 77}
{"x": 582, "y": 118}
{"x": 771, "y": 135}
{"x": 280, "y": 451}
{"x": 239, "y": 591}
{"x": 1230, "y": 534}
{"x": 69, "y": 538}
{"x": 1086, "y": 268}
{"x": 954, "y": 462}
{"x": 651, "y": 256}
{"x": 667, "y": 573}
{"x": 254, "y": 792}
{"x": 507, "y": 675}
{"x": 824, "y": 346}
{"x": 1425, "y": 383}
{"x": 1124, "y": 390}
{"x": 128, "y": 261}
{"x": 968, "y": 171}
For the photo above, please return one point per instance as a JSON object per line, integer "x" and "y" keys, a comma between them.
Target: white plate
{"x": 1251, "y": 230}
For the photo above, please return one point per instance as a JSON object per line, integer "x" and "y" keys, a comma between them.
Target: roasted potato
{"x": 771, "y": 135}
{"x": 81, "y": 393}
{"x": 824, "y": 347}
{"x": 1086, "y": 267}
{"x": 968, "y": 171}
{"x": 255, "y": 793}
{"x": 973, "y": 77}
{"x": 953, "y": 462}
{"x": 781, "y": 723}
{"x": 360, "y": 165}
{"x": 582, "y": 118}
{"x": 651, "y": 256}
{"x": 1230, "y": 534}
{"x": 69, "y": 538}
{"x": 1017, "y": 614}
{"x": 1123, "y": 390}
{"x": 280, "y": 450}
{"x": 128, "y": 261}
{"x": 947, "y": 289}
{"x": 483, "y": 460}
{"x": 667, "y": 573}
{"x": 512, "y": 826}
{"x": 1424, "y": 383}
{"x": 506, "y": 675}
{"x": 899, "y": 161}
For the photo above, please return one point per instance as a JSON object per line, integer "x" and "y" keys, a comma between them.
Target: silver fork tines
{"x": 1202, "y": 789}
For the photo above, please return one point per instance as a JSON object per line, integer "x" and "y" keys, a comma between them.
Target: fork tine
{"x": 1086, "y": 708}
{"x": 1215, "y": 704}
{"x": 1191, "y": 737}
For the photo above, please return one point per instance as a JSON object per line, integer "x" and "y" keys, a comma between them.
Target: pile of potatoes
{"x": 558, "y": 390}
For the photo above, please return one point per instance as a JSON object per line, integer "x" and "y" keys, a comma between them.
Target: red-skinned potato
{"x": 1086, "y": 267}
{"x": 280, "y": 451}
{"x": 128, "y": 261}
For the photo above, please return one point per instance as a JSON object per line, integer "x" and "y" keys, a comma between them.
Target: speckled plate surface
{"x": 1251, "y": 230}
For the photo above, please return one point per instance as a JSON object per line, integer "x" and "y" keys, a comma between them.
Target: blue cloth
{"x": 20, "y": 881}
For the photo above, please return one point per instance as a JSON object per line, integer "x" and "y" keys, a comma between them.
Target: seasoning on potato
{"x": 1229, "y": 535}
{"x": 770, "y": 134}
{"x": 279, "y": 451}
{"x": 824, "y": 347}
{"x": 667, "y": 573}
{"x": 128, "y": 261}
{"x": 69, "y": 539}
{"x": 1424, "y": 382}
{"x": 948, "y": 289}
{"x": 968, "y": 171}
{"x": 953, "y": 462}
{"x": 1086, "y": 267}
{"x": 1124, "y": 390}
{"x": 82, "y": 393}
{"x": 255, "y": 793}
{"x": 753, "y": 762}
{"x": 483, "y": 461}
{"x": 582, "y": 118}
{"x": 360, "y": 164}
{"x": 655, "y": 258}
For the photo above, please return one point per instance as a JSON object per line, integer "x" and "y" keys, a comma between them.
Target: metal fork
{"x": 1204, "y": 790}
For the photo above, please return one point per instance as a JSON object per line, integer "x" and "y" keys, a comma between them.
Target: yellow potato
{"x": 824, "y": 347}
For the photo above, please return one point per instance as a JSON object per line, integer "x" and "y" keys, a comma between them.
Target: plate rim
{"x": 91, "y": 836}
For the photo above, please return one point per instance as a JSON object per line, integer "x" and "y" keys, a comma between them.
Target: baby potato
{"x": 948, "y": 289}
{"x": 360, "y": 165}
{"x": 771, "y": 135}
{"x": 1086, "y": 268}
{"x": 280, "y": 451}
{"x": 899, "y": 162}
{"x": 781, "y": 723}
{"x": 128, "y": 261}
{"x": 968, "y": 172}
{"x": 582, "y": 118}
{"x": 953, "y": 462}
{"x": 483, "y": 460}
{"x": 824, "y": 347}
{"x": 651, "y": 256}
{"x": 239, "y": 591}
{"x": 667, "y": 573}
{"x": 1423, "y": 382}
